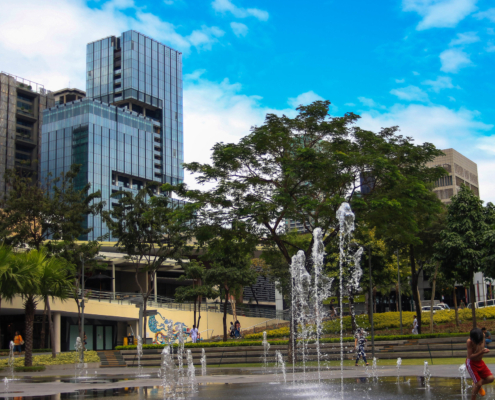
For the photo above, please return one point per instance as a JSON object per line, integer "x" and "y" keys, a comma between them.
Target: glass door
{"x": 100, "y": 338}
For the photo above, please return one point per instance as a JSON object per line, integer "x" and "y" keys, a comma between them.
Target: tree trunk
{"x": 414, "y": 287}
{"x": 145, "y": 300}
{"x": 50, "y": 327}
{"x": 199, "y": 311}
{"x": 473, "y": 304}
{"x": 456, "y": 309}
{"x": 43, "y": 324}
{"x": 374, "y": 300}
{"x": 29, "y": 309}
{"x": 194, "y": 317}
{"x": 397, "y": 297}
{"x": 225, "y": 315}
{"x": 1, "y": 343}
{"x": 433, "y": 284}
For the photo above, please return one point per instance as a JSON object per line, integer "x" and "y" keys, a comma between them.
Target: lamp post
{"x": 81, "y": 328}
{"x": 371, "y": 304}
{"x": 399, "y": 294}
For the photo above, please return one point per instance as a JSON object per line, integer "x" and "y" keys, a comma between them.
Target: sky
{"x": 423, "y": 65}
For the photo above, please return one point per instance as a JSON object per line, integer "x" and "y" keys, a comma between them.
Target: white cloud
{"x": 410, "y": 93}
{"x": 368, "y": 102}
{"x": 442, "y": 82}
{"x": 350, "y": 104}
{"x": 440, "y": 13}
{"x": 452, "y": 98}
{"x": 400, "y": 80}
{"x": 224, "y": 6}
{"x": 239, "y": 29}
{"x": 46, "y": 41}
{"x": 491, "y": 47}
{"x": 453, "y": 60}
{"x": 465, "y": 38}
{"x": 416, "y": 73}
{"x": 488, "y": 14}
{"x": 304, "y": 99}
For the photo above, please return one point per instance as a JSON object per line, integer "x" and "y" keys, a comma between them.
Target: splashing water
{"x": 266, "y": 349}
{"x": 374, "y": 369}
{"x": 427, "y": 375}
{"x": 399, "y": 363}
{"x": 464, "y": 382}
{"x": 203, "y": 362}
{"x": 79, "y": 359}
{"x": 139, "y": 354}
{"x": 180, "y": 355}
{"x": 10, "y": 362}
{"x": 6, "y": 384}
{"x": 280, "y": 364}
{"x": 191, "y": 372}
{"x": 166, "y": 371}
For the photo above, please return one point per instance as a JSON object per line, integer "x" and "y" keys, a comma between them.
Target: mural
{"x": 161, "y": 329}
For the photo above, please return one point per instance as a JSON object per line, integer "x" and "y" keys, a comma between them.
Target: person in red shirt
{"x": 18, "y": 342}
{"x": 476, "y": 367}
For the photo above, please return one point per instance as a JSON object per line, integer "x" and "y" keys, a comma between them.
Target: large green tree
{"x": 464, "y": 247}
{"x": 303, "y": 168}
{"x": 149, "y": 229}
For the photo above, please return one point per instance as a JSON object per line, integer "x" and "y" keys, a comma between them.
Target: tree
{"x": 303, "y": 168}
{"x": 194, "y": 271}
{"x": 34, "y": 214}
{"x": 230, "y": 267}
{"x": 149, "y": 230}
{"x": 464, "y": 248}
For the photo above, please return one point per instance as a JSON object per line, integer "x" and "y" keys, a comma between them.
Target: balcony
{"x": 26, "y": 139}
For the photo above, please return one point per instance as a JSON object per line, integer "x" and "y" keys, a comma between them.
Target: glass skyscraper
{"x": 129, "y": 130}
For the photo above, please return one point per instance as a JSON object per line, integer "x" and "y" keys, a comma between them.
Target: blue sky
{"x": 425, "y": 65}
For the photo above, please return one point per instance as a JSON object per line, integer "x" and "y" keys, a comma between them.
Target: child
{"x": 476, "y": 367}
{"x": 359, "y": 343}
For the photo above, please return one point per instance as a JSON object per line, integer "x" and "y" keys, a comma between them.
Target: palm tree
{"x": 55, "y": 282}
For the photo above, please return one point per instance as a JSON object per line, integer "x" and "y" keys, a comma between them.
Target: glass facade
{"x": 115, "y": 148}
{"x": 137, "y": 72}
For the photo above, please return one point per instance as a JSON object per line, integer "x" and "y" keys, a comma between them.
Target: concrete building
{"x": 461, "y": 171}
{"x": 68, "y": 95}
{"x": 21, "y": 115}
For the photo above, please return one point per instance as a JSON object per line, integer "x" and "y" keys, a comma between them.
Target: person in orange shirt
{"x": 18, "y": 342}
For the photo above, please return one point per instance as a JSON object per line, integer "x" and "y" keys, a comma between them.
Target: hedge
{"x": 62, "y": 358}
{"x": 36, "y": 368}
{"x": 286, "y": 342}
{"x": 34, "y": 351}
{"x": 388, "y": 320}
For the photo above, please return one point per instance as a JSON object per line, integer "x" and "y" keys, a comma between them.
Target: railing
{"x": 167, "y": 302}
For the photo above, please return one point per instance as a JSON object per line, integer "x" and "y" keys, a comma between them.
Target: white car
{"x": 435, "y": 309}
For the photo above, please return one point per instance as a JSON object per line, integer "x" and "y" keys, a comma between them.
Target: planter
{"x": 68, "y": 367}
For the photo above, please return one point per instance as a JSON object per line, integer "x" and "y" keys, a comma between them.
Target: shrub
{"x": 62, "y": 358}
{"x": 30, "y": 369}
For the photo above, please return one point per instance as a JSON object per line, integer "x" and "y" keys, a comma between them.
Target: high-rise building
{"x": 67, "y": 95}
{"x": 461, "y": 171}
{"x": 21, "y": 104}
{"x": 128, "y": 131}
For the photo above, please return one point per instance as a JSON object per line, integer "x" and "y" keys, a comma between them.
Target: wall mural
{"x": 161, "y": 331}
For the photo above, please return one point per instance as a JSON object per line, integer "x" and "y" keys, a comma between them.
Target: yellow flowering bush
{"x": 388, "y": 320}
{"x": 46, "y": 359}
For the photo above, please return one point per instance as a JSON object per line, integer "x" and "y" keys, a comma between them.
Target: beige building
{"x": 21, "y": 104}
{"x": 461, "y": 171}
{"x": 64, "y": 96}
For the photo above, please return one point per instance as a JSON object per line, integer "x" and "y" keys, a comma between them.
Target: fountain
{"x": 280, "y": 364}
{"x": 191, "y": 372}
{"x": 10, "y": 362}
{"x": 427, "y": 375}
{"x": 180, "y": 355}
{"x": 266, "y": 348}
{"x": 167, "y": 371}
{"x": 464, "y": 382}
{"x": 6, "y": 384}
{"x": 399, "y": 363}
{"x": 79, "y": 359}
{"x": 203, "y": 362}
{"x": 139, "y": 355}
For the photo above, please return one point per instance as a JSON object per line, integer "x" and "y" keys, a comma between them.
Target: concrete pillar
{"x": 144, "y": 111}
{"x": 155, "y": 288}
{"x": 57, "y": 330}
{"x": 113, "y": 280}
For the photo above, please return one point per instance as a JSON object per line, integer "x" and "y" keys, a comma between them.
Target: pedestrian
{"x": 359, "y": 343}
{"x": 480, "y": 374}
{"x": 194, "y": 334}
{"x": 463, "y": 305}
{"x": 18, "y": 342}
{"x": 488, "y": 336}
{"x": 415, "y": 326}
{"x": 237, "y": 329}
{"x": 232, "y": 329}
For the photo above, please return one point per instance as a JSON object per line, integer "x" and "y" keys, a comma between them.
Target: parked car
{"x": 435, "y": 309}
{"x": 483, "y": 304}
{"x": 443, "y": 305}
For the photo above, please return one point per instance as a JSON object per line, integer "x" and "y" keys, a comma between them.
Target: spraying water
{"x": 374, "y": 369}
{"x": 280, "y": 363}
{"x": 139, "y": 354}
{"x": 11, "y": 359}
{"x": 180, "y": 355}
{"x": 203, "y": 362}
{"x": 399, "y": 362}
{"x": 266, "y": 349}
{"x": 427, "y": 375}
{"x": 167, "y": 371}
{"x": 6, "y": 384}
{"x": 79, "y": 359}
{"x": 464, "y": 381}
{"x": 191, "y": 372}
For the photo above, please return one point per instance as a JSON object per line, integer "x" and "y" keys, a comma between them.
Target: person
{"x": 359, "y": 343}
{"x": 463, "y": 305}
{"x": 332, "y": 309}
{"x": 237, "y": 331}
{"x": 488, "y": 336}
{"x": 232, "y": 329}
{"x": 480, "y": 374}
{"x": 194, "y": 334}
{"x": 415, "y": 326}
{"x": 18, "y": 342}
